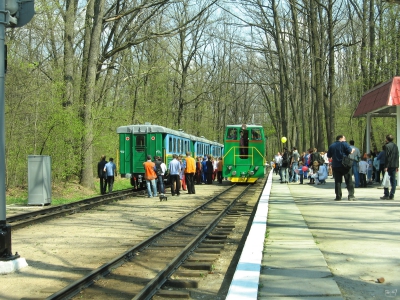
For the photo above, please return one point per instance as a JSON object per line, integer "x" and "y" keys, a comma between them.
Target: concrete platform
{"x": 291, "y": 265}
{"x": 318, "y": 248}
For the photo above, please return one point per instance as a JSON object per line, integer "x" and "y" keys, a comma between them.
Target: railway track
{"x": 192, "y": 242}
{"x": 29, "y": 218}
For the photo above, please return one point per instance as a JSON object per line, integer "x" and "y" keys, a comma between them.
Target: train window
{"x": 179, "y": 146}
{"x": 232, "y": 134}
{"x": 170, "y": 144}
{"x": 174, "y": 146}
{"x": 256, "y": 134}
{"x": 140, "y": 143}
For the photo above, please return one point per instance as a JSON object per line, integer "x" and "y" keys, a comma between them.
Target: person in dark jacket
{"x": 285, "y": 165}
{"x": 381, "y": 159}
{"x": 337, "y": 151}
{"x": 210, "y": 169}
{"x": 391, "y": 166}
{"x": 101, "y": 174}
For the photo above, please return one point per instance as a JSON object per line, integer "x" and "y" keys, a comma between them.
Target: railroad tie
{"x": 173, "y": 294}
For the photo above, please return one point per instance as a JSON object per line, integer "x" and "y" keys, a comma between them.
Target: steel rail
{"x": 157, "y": 282}
{"x": 29, "y": 218}
{"x": 75, "y": 287}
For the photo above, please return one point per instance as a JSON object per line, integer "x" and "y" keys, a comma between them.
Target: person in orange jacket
{"x": 189, "y": 173}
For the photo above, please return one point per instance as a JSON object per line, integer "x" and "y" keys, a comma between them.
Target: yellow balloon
{"x": 283, "y": 139}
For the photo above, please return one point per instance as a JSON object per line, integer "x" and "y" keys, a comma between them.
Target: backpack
{"x": 285, "y": 159}
{"x": 158, "y": 168}
{"x": 318, "y": 157}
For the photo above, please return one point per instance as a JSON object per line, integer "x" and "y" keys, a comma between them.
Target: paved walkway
{"x": 292, "y": 264}
{"x": 317, "y": 248}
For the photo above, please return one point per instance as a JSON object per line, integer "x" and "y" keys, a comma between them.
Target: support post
{"x": 5, "y": 230}
{"x": 368, "y": 139}
{"x": 398, "y": 136}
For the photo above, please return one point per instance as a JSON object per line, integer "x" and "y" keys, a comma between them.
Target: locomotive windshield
{"x": 232, "y": 134}
{"x": 256, "y": 134}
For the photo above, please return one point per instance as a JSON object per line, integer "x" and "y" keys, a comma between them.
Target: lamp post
{"x": 13, "y": 13}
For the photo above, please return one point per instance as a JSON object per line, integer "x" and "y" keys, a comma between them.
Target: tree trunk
{"x": 330, "y": 107}
{"x": 317, "y": 59}
{"x": 69, "y": 37}
{"x": 89, "y": 93}
{"x": 282, "y": 91}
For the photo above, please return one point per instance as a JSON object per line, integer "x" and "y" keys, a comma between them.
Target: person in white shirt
{"x": 362, "y": 171}
{"x": 277, "y": 159}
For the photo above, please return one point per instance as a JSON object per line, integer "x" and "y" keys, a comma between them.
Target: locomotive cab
{"x": 244, "y": 148}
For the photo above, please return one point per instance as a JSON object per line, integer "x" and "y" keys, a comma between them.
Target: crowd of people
{"x": 293, "y": 167}
{"x": 183, "y": 173}
{"x": 364, "y": 170}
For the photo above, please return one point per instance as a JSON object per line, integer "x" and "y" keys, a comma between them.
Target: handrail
{"x": 249, "y": 155}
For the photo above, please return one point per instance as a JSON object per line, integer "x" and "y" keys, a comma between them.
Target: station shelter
{"x": 382, "y": 100}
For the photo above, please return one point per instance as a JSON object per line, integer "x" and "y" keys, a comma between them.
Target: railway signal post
{"x": 13, "y": 13}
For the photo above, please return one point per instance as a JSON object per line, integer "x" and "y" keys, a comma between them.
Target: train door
{"x": 139, "y": 152}
{"x": 125, "y": 153}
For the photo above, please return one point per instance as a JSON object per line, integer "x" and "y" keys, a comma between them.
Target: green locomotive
{"x": 244, "y": 153}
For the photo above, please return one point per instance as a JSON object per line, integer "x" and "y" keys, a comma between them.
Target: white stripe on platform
{"x": 245, "y": 281}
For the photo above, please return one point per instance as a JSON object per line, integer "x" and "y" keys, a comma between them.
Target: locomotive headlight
{"x": 256, "y": 168}
{"x": 234, "y": 173}
{"x": 251, "y": 173}
{"x": 229, "y": 168}
{"x": 243, "y": 174}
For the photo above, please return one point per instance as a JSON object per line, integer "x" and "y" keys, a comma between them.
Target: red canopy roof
{"x": 380, "y": 100}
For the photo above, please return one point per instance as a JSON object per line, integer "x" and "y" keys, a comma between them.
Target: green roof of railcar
{"x": 149, "y": 128}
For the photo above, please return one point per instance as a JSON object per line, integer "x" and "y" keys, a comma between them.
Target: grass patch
{"x": 64, "y": 192}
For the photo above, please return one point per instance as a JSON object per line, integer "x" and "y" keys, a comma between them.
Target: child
{"x": 370, "y": 169}
{"x": 362, "y": 171}
{"x": 321, "y": 175}
{"x": 301, "y": 172}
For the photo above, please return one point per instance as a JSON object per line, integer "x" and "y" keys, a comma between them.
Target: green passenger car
{"x": 138, "y": 141}
{"x": 244, "y": 153}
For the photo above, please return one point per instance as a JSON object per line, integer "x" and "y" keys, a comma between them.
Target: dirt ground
{"x": 60, "y": 251}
